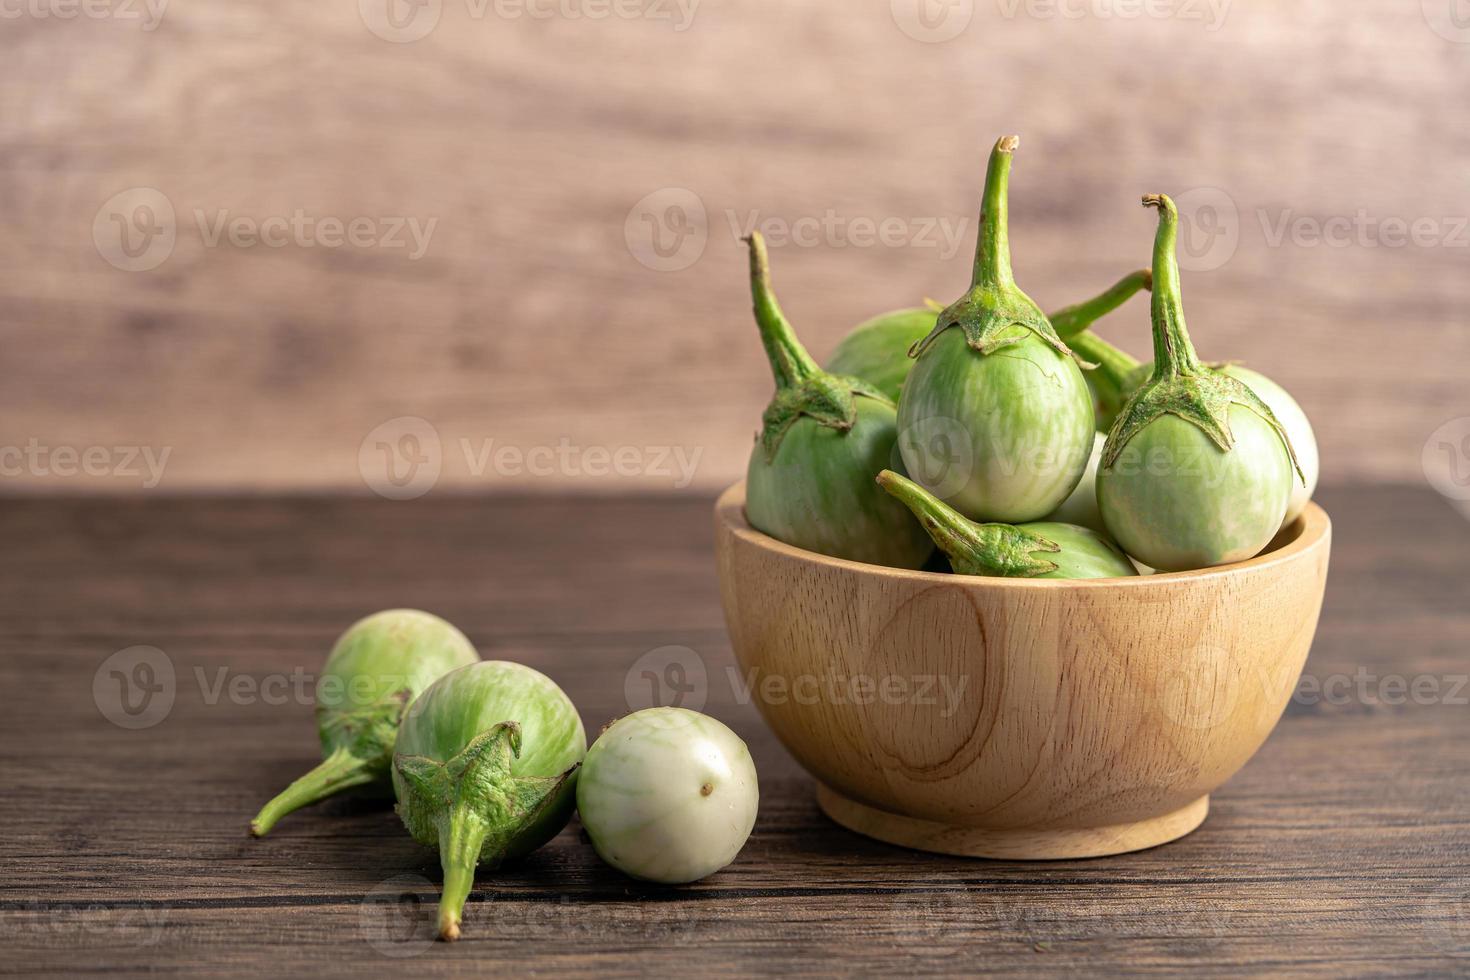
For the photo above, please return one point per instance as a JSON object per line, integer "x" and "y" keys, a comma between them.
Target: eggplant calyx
{"x": 993, "y": 317}
{"x": 359, "y": 745}
{"x": 367, "y": 730}
{"x": 828, "y": 399}
{"x": 974, "y": 549}
{"x": 474, "y": 806}
{"x": 1203, "y": 399}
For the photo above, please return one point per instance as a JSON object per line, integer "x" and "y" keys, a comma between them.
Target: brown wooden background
{"x": 530, "y": 319}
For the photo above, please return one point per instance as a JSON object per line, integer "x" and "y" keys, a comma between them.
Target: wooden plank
{"x": 531, "y": 141}
{"x": 1337, "y": 850}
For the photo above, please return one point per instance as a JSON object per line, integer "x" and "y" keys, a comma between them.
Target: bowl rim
{"x": 1313, "y": 534}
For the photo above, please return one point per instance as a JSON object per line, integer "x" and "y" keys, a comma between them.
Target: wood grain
{"x": 1338, "y": 849}
{"x": 1012, "y": 718}
{"x": 532, "y": 141}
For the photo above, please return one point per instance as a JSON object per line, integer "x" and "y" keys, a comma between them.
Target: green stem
{"x": 954, "y": 533}
{"x": 973, "y": 549}
{"x": 1173, "y": 353}
{"x": 993, "y": 246}
{"x": 461, "y": 839}
{"x": 1114, "y": 366}
{"x": 337, "y": 772}
{"x": 477, "y": 810}
{"x": 1072, "y": 320}
{"x": 790, "y": 362}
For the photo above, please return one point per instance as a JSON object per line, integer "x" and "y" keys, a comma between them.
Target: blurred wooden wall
{"x": 540, "y": 313}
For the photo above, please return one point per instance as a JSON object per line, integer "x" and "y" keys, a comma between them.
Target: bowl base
{"x": 1020, "y": 845}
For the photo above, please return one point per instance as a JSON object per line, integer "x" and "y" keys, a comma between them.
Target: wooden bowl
{"x": 1018, "y": 718}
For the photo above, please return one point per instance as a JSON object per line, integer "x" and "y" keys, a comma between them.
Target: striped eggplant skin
{"x": 668, "y": 795}
{"x": 485, "y": 771}
{"x": 1000, "y": 437}
{"x": 1080, "y": 507}
{"x": 818, "y": 493}
{"x": 395, "y": 653}
{"x": 1197, "y": 470}
{"x": 996, "y": 418}
{"x": 376, "y": 668}
{"x": 877, "y": 350}
{"x": 1120, "y": 372}
{"x": 823, "y": 438}
{"x": 1175, "y": 501}
{"x": 1298, "y": 429}
{"x": 1084, "y": 552}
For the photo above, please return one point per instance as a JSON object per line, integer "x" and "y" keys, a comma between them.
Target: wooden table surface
{"x": 1341, "y": 848}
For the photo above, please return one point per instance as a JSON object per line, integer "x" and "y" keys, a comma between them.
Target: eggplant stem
{"x": 1072, "y": 320}
{"x": 993, "y": 246}
{"x": 460, "y": 841}
{"x": 338, "y": 771}
{"x": 1173, "y": 353}
{"x": 994, "y": 313}
{"x": 973, "y": 549}
{"x": 476, "y": 806}
{"x": 790, "y": 362}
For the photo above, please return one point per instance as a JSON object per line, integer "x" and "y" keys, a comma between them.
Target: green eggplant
{"x": 485, "y": 771}
{"x": 374, "y": 670}
{"x": 1119, "y": 374}
{"x": 1080, "y": 507}
{"x": 996, "y": 417}
{"x": 876, "y": 350}
{"x": 1197, "y": 470}
{"x": 810, "y": 478}
{"x": 1110, "y": 379}
{"x": 1039, "y": 549}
